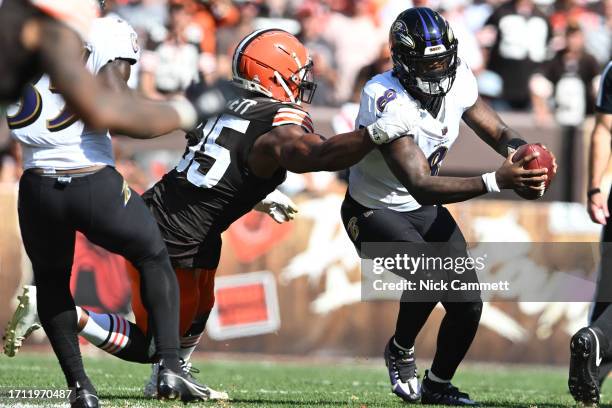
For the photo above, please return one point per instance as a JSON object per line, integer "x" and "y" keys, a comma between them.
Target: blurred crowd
{"x": 544, "y": 54}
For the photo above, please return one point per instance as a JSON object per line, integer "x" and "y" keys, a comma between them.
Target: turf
{"x": 292, "y": 384}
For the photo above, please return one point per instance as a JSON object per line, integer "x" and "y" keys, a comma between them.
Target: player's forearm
{"x": 314, "y": 153}
{"x": 135, "y": 116}
{"x": 599, "y": 153}
{"x": 428, "y": 190}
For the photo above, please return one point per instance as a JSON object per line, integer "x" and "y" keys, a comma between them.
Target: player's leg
{"x": 114, "y": 334}
{"x": 206, "y": 292}
{"x": 603, "y": 296}
{"x": 382, "y": 225}
{"x": 121, "y": 223}
{"x": 460, "y": 323}
{"x": 48, "y": 237}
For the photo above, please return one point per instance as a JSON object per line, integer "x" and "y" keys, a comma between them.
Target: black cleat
{"x": 172, "y": 385}
{"x": 81, "y": 397}
{"x": 585, "y": 358}
{"x": 402, "y": 370}
{"x": 435, "y": 393}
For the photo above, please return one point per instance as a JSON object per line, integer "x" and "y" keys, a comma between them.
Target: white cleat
{"x": 23, "y": 323}
{"x": 150, "y": 388}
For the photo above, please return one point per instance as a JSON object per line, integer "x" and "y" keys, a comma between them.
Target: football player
{"x": 70, "y": 184}
{"x": 395, "y": 195}
{"x": 38, "y": 36}
{"x": 591, "y": 352}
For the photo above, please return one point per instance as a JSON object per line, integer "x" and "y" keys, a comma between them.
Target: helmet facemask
{"x": 431, "y": 75}
{"x": 307, "y": 86}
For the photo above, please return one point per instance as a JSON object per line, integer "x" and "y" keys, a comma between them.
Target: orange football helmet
{"x": 274, "y": 63}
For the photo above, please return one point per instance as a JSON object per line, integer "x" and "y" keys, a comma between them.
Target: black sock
{"x": 160, "y": 296}
{"x": 59, "y": 319}
{"x": 457, "y": 331}
{"x": 410, "y": 320}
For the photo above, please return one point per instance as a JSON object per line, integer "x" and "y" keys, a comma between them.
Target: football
{"x": 544, "y": 160}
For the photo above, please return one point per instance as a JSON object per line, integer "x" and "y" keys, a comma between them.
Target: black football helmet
{"x": 424, "y": 52}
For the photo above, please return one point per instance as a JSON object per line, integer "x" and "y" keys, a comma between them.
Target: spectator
{"x": 469, "y": 49}
{"x": 172, "y": 63}
{"x": 520, "y": 33}
{"x": 322, "y": 53}
{"x": 569, "y": 79}
{"x": 356, "y": 39}
{"x": 599, "y": 37}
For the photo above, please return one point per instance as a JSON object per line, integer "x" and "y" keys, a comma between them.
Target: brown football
{"x": 544, "y": 160}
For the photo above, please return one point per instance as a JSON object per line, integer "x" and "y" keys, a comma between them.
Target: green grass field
{"x": 292, "y": 384}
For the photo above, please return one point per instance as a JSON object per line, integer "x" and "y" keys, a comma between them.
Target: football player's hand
{"x": 397, "y": 120}
{"x": 514, "y": 176}
{"x": 208, "y": 100}
{"x": 598, "y": 209}
{"x": 278, "y": 206}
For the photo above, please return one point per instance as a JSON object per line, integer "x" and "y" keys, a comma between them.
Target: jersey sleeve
{"x": 375, "y": 97}
{"x": 112, "y": 38}
{"x": 290, "y": 115}
{"x": 604, "y": 95}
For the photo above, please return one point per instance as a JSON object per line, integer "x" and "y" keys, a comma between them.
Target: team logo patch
{"x": 400, "y": 32}
{"x": 387, "y": 97}
{"x": 126, "y": 192}
{"x": 135, "y": 45}
{"x": 352, "y": 228}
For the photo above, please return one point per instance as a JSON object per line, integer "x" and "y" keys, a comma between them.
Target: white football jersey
{"x": 51, "y": 136}
{"x": 371, "y": 182}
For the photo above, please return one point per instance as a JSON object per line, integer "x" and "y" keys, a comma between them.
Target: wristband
{"x": 377, "y": 136}
{"x": 490, "y": 182}
{"x": 187, "y": 113}
{"x": 592, "y": 192}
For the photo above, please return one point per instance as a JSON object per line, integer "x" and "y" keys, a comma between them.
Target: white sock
{"x": 437, "y": 379}
{"x": 188, "y": 345}
{"x": 411, "y": 349}
{"x": 109, "y": 332}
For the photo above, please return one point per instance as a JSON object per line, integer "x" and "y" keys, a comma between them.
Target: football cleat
{"x": 81, "y": 397}
{"x": 23, "y": 322}
{"x": 402, "y": 369}
{"x": 585, "y": 359}
{"x": 150, "y": 388}
{"x": 194, "y": 390}
{"x": 436, "y": 393}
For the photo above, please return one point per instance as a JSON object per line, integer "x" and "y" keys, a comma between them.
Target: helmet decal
{"x": 400, "y": 30}
{"x": 451, "y": 35}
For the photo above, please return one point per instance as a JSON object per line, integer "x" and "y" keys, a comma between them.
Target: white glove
{"x": 398, "y": 119}
{"x": 278, "y": 206}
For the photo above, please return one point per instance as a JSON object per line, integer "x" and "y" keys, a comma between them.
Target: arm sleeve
{"x": 111, "y": 39}
{"x": 604, "y": 95}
